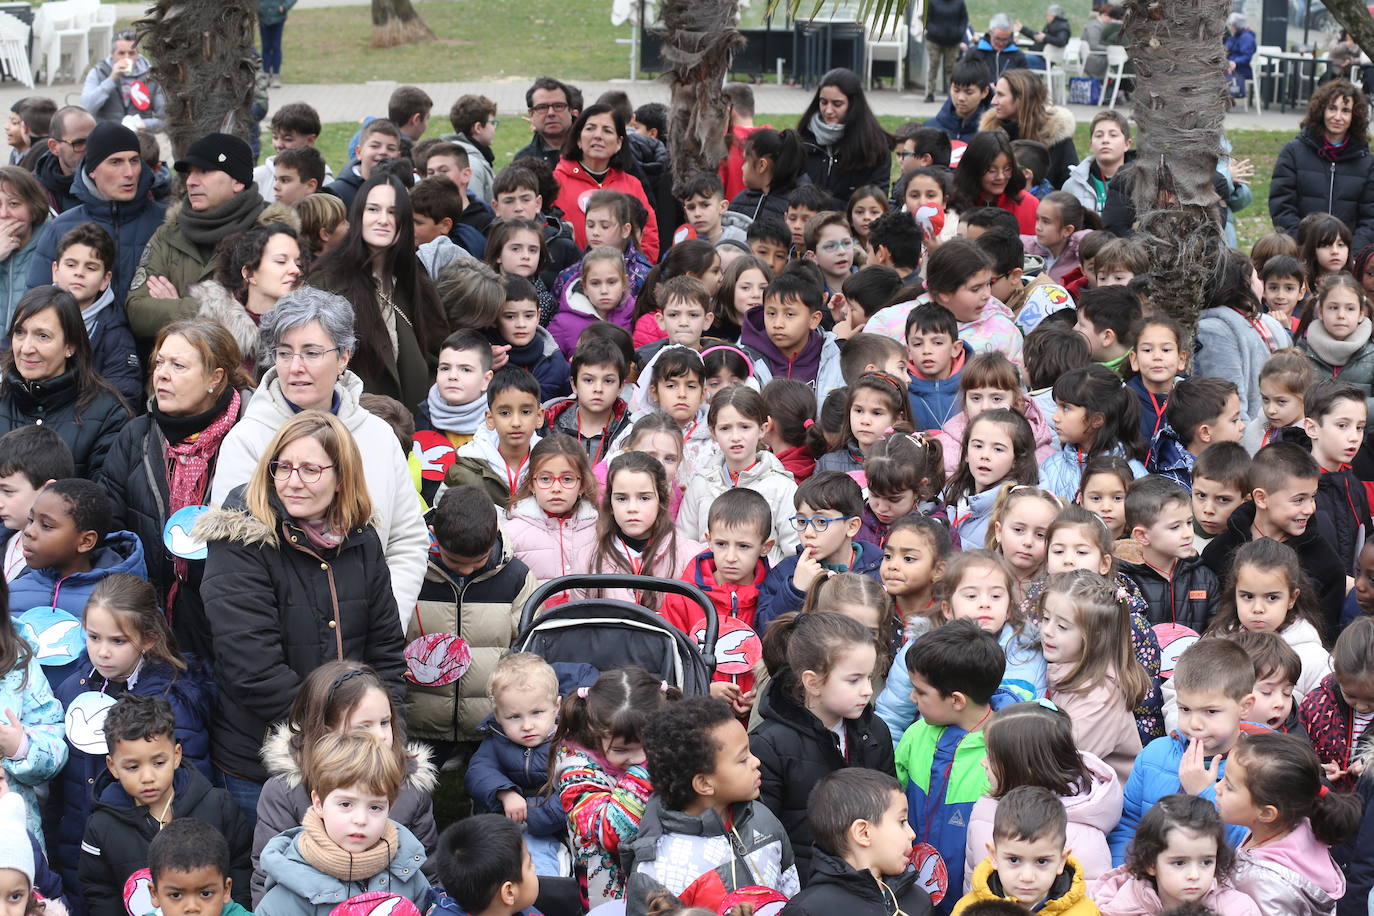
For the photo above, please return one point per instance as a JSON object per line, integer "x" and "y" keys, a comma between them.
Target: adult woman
{"x": 309, "y": 335}
{"x": 399, "y": 319}
{"x": 23, "y": 211}
{"x": 1021, "y": 107}
{"x": 1327, "y": 168}
{"x": 49, "y": 379}
{"x": 271, "y": 24}
{"x": 295, "y": 580}
{"x": 1239, "y": 42}
{"x": 256, "y": 268}
{"x": 987, "y": 176}
{"x": 846, "y": 148}
{"x": 164, "y": 461}
{"x": 597, "y": 155}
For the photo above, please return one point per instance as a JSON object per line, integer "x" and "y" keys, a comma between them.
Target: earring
{"x": 211, "y": 390}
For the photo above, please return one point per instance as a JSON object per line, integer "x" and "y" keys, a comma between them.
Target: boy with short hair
{"x": 770, "y": 241}
{"x": 473, "y": 119}
{"x": 858, "y": 819}
{"x": 895, "y": 240}
{"x": 188, "y": 865}
{"x": 830, "y": 507}
{"x": 456, "y": 407}
{"x": 1278, "y": 671}
{"x": 147, "y": 786}
{"x": 1110, "y": 143}
{"x": 806, "y": 201}
{"x": 685, "y": 311}
{"x": 496, "y": 458}
{"x": 1158, "y": 360}
{"x": 408, "y": 108}
{"x": 1028, "y": 860}
{"x": 297, "y": 173}
{"x": 1052, "y": 349}
{"x": 436, "y": 206}
{"x": 1027, "y": 303}
{"x": 31, "y": 457}
{"x": 784, "y": 339}
{"x": 1285, "y": 286}
{"x": 529, "y": 344}
{"x": 508, "y": 772}
{"x": 1118, "y": 262}
{"x": 451, "y": 161}
{"x": 704, "y": 834}
{"x": 830, "y": 244}
{"x": 378, "y": 141}
{"x": 1283, "y": 382}
{"x": 486, "y": 869}
{"x": 937, "y": 357}
{"x": 1221, "y": 479}
{"x": 1283, "y": 482}
{"x": 474, "y": 587}
{"x": 651, "y": 119}
{"x": 1177, "y": 586}
{"x": 610, "y": 221}
{"x": 595, "y": 414}
{"x": 1033, "y": 159}
{"x": 1334, "y": 417}
{"x": 872, "y": 353}
{"x": 969, "y": 95}
{"x": 1201, "y": 410}
{"x": 83, "y": 266}
{"x": 1213, "y": 681}
{"x": 1107, "y": 317}
{"x": 704, "y": 204}
{"x": 294, "y": 126}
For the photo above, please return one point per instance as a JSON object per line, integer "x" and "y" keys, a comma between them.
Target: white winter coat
{"x": 768, "y": 478}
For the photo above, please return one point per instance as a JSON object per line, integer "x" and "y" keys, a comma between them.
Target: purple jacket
{"x": 575, "y": 313}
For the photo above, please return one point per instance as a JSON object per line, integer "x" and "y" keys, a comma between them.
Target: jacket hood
{"x": 1099, "y": 804}
{"x": 48, "y": 171}
{"x": 766, "y": 465}
{"x": 948, "y": 115}
{"x": 1310, "y": 861}
{"x": 277, "y": 759}
{"x": 575, "y": 300}
{"x": 270, "y": 409}
{"x": 528, "y": 509}
{"x": 84, "y": 190}
{"x": 1059, "y": 124}
{"x": 754, "y": 334}
{"x": 187, "y": 782}
{"x": 703, "y": 573}
{"x": 122, "y": 552}
{"x": 236, "y": 525}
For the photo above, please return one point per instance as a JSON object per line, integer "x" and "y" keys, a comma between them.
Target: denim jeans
{"x": 244, "y": 791}
{"x": 271, "y": 46}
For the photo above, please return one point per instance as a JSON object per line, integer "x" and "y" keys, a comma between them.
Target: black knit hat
{"x": 220, "y": 153}
{"x": 108, "y": 138}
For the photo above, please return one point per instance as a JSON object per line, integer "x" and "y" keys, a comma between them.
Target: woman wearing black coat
{"x": 1328, "y": 168}
{"x": 846, "y": 147}
{"x": 165, "y": 460}
{"x": 49, "y": 379}
{"x": 296, "y": 579}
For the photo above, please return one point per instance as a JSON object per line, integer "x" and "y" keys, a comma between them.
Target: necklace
{"x": 388, "y": 305}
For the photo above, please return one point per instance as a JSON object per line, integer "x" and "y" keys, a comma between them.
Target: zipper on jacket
{"x": 1331, "y": 186}
{"x": 527, "y": 765}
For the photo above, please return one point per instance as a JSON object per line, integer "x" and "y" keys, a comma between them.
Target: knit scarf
{"x": 321, "y": 534}
{"x": 324, "y": 855}
{"x": 1331, "y": 151}
{"x": 1335, "y": 352}
{"x": 455, "y": 418}
{"x": 826, "y": 134}
{"x": 207, "y": 228}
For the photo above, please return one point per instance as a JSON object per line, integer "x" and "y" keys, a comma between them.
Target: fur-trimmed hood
{"x": 238, "y": 525}
{"x": 1060, "y": 125}
{"x": 421, "y": 774}
{"x": 217, "y": 305}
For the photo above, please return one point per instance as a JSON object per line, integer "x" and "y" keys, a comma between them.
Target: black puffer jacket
{"x": 1304, "y": 183}
{"x": 52, "y": 403}
{"x": 837, "y": 887}
{"x": 1342, "y": 508}
{"x": 796, "y": 751}
{"x": 770, "y": 204}
{"x": 135, "y": 476}
{"x": 278, "y": 609}
{"x": 823, "y": 166}
{"x": 1189, "y": 598}
{"x": 946, "y": 22}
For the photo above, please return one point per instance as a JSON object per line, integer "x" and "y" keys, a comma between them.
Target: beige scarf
{"x": 323, "y": 854}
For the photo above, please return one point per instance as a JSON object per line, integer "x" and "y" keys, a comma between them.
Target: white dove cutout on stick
{"x": 55, "y": 634}
{"x": 176, "y": 534}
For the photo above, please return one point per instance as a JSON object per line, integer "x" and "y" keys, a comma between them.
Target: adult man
{"x": 221, "y": 199}
{"x": 56, "y": 167}
{"x": 1056, "y": 33}
{"x": 1097, "y": 34}
{"x": 474, "y": 127}
{"x": 996, "y": 49}
{"x": 409, "y": 108}
{"x": 553, "y": 106}
{"x": 120, "y": 87}
{"x": 381, "y": 139}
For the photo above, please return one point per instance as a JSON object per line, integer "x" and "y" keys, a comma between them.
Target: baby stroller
{"x": 608, "y": 633}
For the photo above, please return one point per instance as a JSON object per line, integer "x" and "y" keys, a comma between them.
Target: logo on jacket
{"x": 139, "y": 96}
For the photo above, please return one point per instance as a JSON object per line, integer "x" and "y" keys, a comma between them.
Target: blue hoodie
{"x": 958, "y": 128}
{"x": 934, "y": 400}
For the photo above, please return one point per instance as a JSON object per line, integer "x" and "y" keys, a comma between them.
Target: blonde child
{"x": 1283, "y": 382}
{"x": 1338, "y": 339}
{"x": 863, "y": 599}
{"x": 1018, "y": 527}
{"x": 1000, "y": 454}
{"x": 989, "y": 381}
{"x": 516, "y": 248}
{"x": 600, "y": 293}
{"x": 655, "y": 434}
{"x": 915, "y": 552}
{"x": 1094, "y": 415}
{"x": 738, "y": 420}
{"x": 1105, "y": 481}
{"x": 1093, "y": 672}
{"x": 599, "y": 775}
{"x": 905, "y": 474}
{"x": 552, "y": 518}
{"x": 876, "y": 404}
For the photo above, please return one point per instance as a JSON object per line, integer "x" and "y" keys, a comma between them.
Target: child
{"x": 1213, "y": 679}
{"x": 693, "y": 258}
{"x": 1033, "y": 159}
{"x": 1093, "y": 673}
{"x": 30, "y": 458}
{"x": 1019, "y": 523}
{"x": 704, "y": 204}
{"x": 858, "y": 819}
{"x": 1360, "y": 600}
{"x": 866, "y": 204}
{"x": 1220, "y": 481}
{"x": 1273, "y": 789}
{"x": 1061, "y": 222}
{"x": 959, "y": 277}
{"x": 1334, "y": 417}
{"x": 915, "y": 552}
{"x": 509, "y": 770}
{"x": 1094, "y": 415}
{"x": 293, "y": 126}
{"x": 188, "y": 866}
{"x": 1178, "y": 587}
{"x": 496, "y": 459}
{"x": 1052, "y": 349}
{"x": 456, "y": 406}
{"x": 1284, "y": 481}
{"x": 339, "y": 698}
{"x": 552, "y": 518}
{"x": 1110, "y": 143}
{"x": 598, "y": 772}
{"x": 936, "y": 356}
{"x": 791, "y": 412}
{"x": 804, "y": 202}
{"x": 1285, "y": 287}
{"x": 657, "y": 435}
{"x": 486, "y": 868}
{"x": 1107, "y": 317}
{"x": 704, "y": 836}
{"x": 146, "y": 787}
{"x": 1028, "y": 859}
{"x": 1179, "y": 855}
{"x": 1283, "y": 382}
{"x": 969, "y": 95}
{"x": 83, "y": 266}
{"x": 347, "y": 843}
{"x": 817, "y": 717}
{"x": 610, "y": 223}
{"x": 862, "y": 599}
{"x": 905, "y": 473}
{"x": 1118, "y": 262}
{"x": 1158, "y": 359}
{"x": 830, "y": 244}
{"x": 828, "y": 507}
{"x": 517, "y": 194}
{"x": 69, "y": 548}
{"x": 526, "y": 342}
{"x": 1105, "y": 481}
{"x": 998, "y": 450}
{"x": 1030, "y": 744}
{"x": 955, "y": 671}
{"x": 1325, "y": 244}
{"x": 1337, "y": 714}
{"x": 783, "y": 339}
{"x": 516, "y": 248}
{"x": 872, "y": 353}
{"x": 769, "y": 241}
{"x": 129, "y": 649}
{"x": 298, "y": 173}
{"x": 876, "y": 403}
{"x": 1200, "y": 411}
{"x": 727, "y": 366}
{"x": 599, "y": 293}
{"x": 676, "y": 387}
{"x": 1338, "y": 341}
{"x": 1277, "y": 670}
{"x": 29, "y": 698}
{"x": 990, "y": 381}
{"x": 596, "y": 416}
{"x": 682, "y": 316}
{"x": 741, "y": 288}
{"x": 773, "y": 162}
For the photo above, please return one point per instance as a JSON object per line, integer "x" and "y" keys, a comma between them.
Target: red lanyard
{"x": 735, "y": 475}
{"x": 1267, "y": 434}
{"x": 633, "y": 557}
{"x": 513, "y": 477}
{"x": 605, "y": 435}
{"x": 1269, "y": 343}
{"x": 1159, "y": 412}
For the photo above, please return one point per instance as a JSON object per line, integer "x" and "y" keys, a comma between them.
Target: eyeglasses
{"x": 310, "y": 356}
{"x": 905, "y": 155}
{"x": 309, "y": 473}
{"x": 566, "y": 481}
{"x": 546, "y": 107}
{"x": 78, "y": 146}
{"x": 820, "y": 524}
{"x": 835, "y": 245}
{"x": 994, "y": 172}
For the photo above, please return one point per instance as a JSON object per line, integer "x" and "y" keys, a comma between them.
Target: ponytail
{"x": 618, "y": 705}
{"x": 1283, "y": 771}
{"x": 785, "y": 150}
{"x": 1072, "y": 212}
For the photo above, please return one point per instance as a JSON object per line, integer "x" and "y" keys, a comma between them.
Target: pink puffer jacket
{"x": 952, "y": 436}
{"x": 550, "y": 547}
{"x": 1119, "y": 893}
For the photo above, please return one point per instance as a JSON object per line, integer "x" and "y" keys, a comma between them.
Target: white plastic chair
{"x": 889, "y": 45}
{"x": 1055, "y": 76}
{"x": 14, "y": 49}
{"x": 59, "y": 35}
{"x": 1116, "y": 70}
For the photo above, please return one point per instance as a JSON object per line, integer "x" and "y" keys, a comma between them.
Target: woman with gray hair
{"x": 1239, "y": 42}
{"x": 308, "y": 340}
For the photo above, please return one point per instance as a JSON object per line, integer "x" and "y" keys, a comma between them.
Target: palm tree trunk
{"x": 395, "y": 22}
{"x": 699, "y": 42}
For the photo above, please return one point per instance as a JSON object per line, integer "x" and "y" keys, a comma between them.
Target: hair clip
{"x": 662, "y": 686}
{"x": 808, "y": 423}
{"x": 1323, "y": 792}
{"x": 1048, "y": 704}
{"x": 582, "y": 692}
{"x": 889, "y": 431}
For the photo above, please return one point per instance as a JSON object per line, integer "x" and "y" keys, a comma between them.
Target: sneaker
{"x": 276, "y": 81}
{"x": 930, "y": 96}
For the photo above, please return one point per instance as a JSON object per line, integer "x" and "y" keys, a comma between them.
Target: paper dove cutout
{"x": 437, "y": 659}
{"x": 85, "y": 721}
{"x": 375, "y": 903}
{"x": 933, "y": 874}
{"x": 138, "y": 894}
{"x": 176, "y": 534}
{"x": 1174, "y": 640}
{"x": 435, "y": 452}
{"x": 56, "y": 635}
{"x": 738, "y": 648}
{"x": 765, "y": 900}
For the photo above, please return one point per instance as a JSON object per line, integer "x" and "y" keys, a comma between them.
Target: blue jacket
{"x": 778, "y": 596}
{"x": 14, "y": 274}
{"x": 969, "y": 518}
{"x": 958, "y": 128}
{"x": 1062, "y": 472}
{"x": 1151, "y": 409}
{"x": 1156, "y": 775}
{"x": 500, "y": 764}
{"x": 934, "y": 400}
{"x": 191, "y": 695}
{"x": 1240, "y": 48}
{"x": 1169, "y": 458}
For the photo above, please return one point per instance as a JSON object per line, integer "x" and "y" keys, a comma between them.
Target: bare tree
{"x": 395, "y": 22}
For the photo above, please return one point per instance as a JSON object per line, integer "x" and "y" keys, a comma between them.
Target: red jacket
{"x": 1329, "y": 721}
{"x": 574, "y": 185}
{"x": 738, "y": 601}
{"x": 1024, "y": 209}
